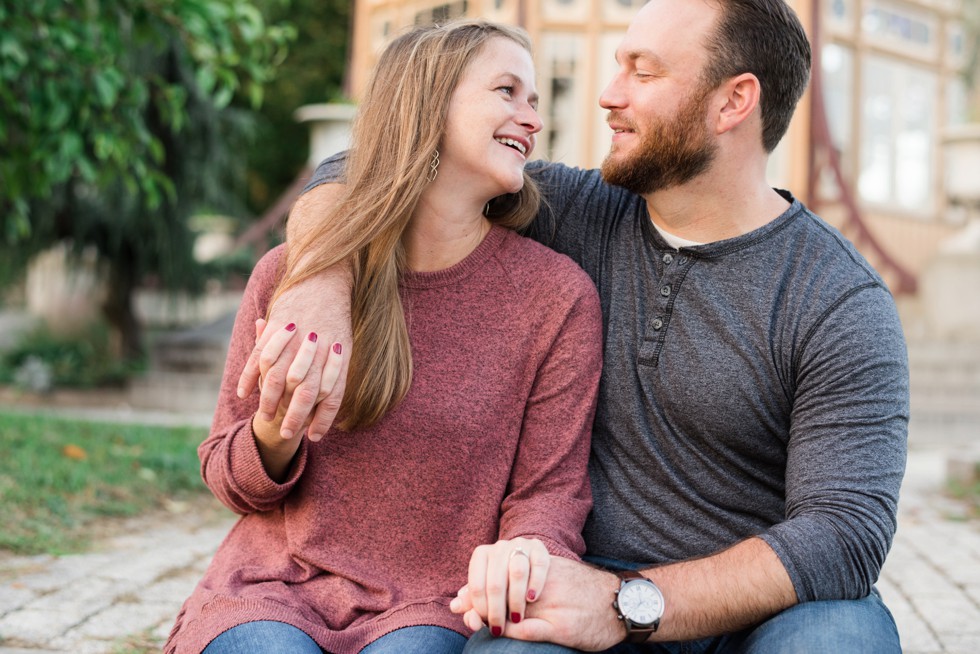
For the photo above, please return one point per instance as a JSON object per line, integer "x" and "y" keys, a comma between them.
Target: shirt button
{"x": 682, "y": 261}
{"x": 668, "y": 258}
{"x": 657, "y": 324}
{"x": 665, "y": 290}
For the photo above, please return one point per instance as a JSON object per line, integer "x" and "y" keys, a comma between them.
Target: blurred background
{"x": 150, "y": 151}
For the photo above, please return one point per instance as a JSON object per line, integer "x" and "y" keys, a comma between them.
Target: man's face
{"x": 671, "y": 151}
{"x": 658, "y": 106}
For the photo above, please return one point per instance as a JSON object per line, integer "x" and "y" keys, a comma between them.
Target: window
{"x": 957, "y": 102}
{"x": 839, "y": 16}
{"x": 441, "y": 13}
{"x": 837, "y": 67}
{"x": 562, "y": 97}
{"x": 837, "y": 70}
{"x": 620, "y": 11}
{"x": 911, "y": 31}
{"x": 898, "y": 135}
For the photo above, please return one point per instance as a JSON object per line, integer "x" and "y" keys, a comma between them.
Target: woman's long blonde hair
{"x": 400, "y": 123}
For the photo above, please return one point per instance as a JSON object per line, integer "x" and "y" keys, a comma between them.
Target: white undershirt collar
{"x": 675, "y": 242}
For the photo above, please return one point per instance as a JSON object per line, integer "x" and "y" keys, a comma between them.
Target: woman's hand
{"x": 504, "y": 577}
{"x": 320, "y": 303}
{"x": 276, "y": 445}
{"x": 302, "y": 390}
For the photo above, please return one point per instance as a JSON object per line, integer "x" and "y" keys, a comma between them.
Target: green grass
{"x": 969, "y": 493}
{"x": 142, "y": 643}
{"x": 58, "y": 477}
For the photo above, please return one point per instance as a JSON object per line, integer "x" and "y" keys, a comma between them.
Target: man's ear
{"x": 738, "y": 96}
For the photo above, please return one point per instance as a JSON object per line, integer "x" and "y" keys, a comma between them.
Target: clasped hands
{"x": 514, "y": 586}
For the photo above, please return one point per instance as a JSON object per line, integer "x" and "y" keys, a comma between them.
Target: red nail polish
{"x": 496, "y": 631}
{"x": 291, "y": 327}
{"x": 531, "y": 595}
{"x": 337, "y": 349}
{"x": 312, "y": 337}
{"x": 515, "y": 617}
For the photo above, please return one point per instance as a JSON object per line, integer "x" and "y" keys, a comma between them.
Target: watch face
{"x": 641, "y": 603}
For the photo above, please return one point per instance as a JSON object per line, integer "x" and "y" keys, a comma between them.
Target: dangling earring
{"x": 486, "y": 209}
{"x": 433, "y": 166}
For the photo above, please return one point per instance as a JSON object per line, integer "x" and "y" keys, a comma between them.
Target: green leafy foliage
{"x": 79, "y": 91}
{"x": 43, "y": 359}
{"x": 312, "y": 72}
{"x": 117, "y": 124}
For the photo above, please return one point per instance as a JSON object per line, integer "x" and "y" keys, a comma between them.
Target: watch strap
{"x": 629, "y": 575}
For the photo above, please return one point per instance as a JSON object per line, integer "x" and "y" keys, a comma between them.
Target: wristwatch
{"x": 639, "y": 604}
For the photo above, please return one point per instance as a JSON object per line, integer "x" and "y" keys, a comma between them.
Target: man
{"x": 750, "y": 438}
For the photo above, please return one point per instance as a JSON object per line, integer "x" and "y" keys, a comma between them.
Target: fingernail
{"x": 286, "y": 434}
{"x": 515, "y": 617}
{"x": 337, "y": 349}
{"x": 312, "y": 337}
{"x": 241, "y": 393}
{"x": 496, "y": 631}
{"x": 291, "y": 327}
{"x": 531, "y": 595}
{"x": 315, "y": 437}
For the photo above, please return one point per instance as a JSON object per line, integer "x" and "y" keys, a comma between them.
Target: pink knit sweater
{"x": 373, "y": 529}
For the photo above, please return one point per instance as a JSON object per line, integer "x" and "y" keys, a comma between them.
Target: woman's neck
{"x": 441, "y": 234}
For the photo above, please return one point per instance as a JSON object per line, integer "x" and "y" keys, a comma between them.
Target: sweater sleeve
{"x": 230, "y": 461}
{"x": 847, "y": 449}
{"x": 548, "y": 494}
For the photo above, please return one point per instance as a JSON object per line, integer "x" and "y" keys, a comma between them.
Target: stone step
{"x": 952, "y": 396}
{"x": 965, "y": 354}
{"x": 192, "y": 392}
{"x": 191, "y": 358}
{"x": 928, "y": 384}
{"x": 951, "y": 409}
{"x": 197, "y": 350}
{"x": 942, "y": 431}
{"x": 944, "y": 379}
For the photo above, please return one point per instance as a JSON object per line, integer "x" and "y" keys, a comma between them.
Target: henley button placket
{"x": 652, "y": 340}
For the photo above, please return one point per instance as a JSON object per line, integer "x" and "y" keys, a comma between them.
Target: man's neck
{"x": 708, "y": 209}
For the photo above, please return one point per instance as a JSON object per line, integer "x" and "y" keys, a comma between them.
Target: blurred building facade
{"x": 866, "y": 148}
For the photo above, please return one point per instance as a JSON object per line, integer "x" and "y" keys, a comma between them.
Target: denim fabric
{"x": 263, "y": 637}
{"x": 268, "y": 637}
{"x": 418, "y": 640}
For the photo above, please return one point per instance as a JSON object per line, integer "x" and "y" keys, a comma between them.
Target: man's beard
{"x": 672, "y": 152}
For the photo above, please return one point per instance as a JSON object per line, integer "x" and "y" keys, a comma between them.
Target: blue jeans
{"x": 263, "y": 637}
{"x": 842, "y": 627}
{"x": 268, "y": 637}
{"x": 418, "y": 640}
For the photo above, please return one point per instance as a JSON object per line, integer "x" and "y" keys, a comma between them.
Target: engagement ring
{"x": 520, "y": 550}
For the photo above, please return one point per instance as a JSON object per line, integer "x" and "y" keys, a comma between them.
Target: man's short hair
{"x": 765, "y": 38}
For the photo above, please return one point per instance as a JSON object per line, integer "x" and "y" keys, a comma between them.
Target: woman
{"x": 470, "y": 392}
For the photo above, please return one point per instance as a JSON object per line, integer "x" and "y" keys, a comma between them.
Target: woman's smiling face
{"x": 492, "y": 121}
